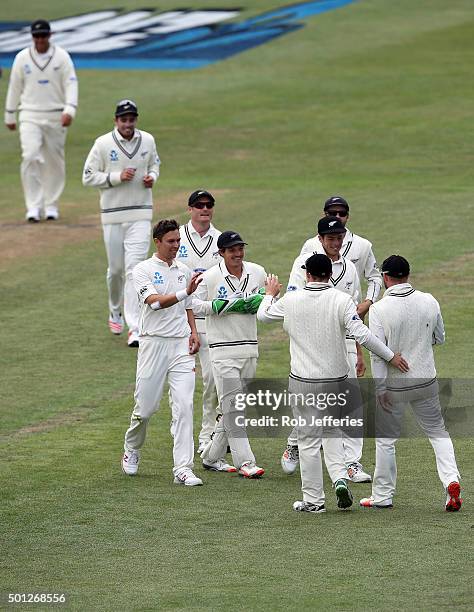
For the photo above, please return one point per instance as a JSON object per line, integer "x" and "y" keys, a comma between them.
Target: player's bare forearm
{"x": 194, "y": 343}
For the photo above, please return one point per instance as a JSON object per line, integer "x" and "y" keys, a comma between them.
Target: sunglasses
{"x": 337, "y": 213}
{"x": 201, "y": 205}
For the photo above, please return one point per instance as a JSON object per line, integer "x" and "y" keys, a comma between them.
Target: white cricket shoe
{"x": 219, "y": 466}
{"x": 250, "y": 470}
{"x": 133, "y": 339}
{"x": 130, "y": 461}
{"x": 33, "y": 216}
{"x": 116, "y": 323}
{"x": 306, "y": 506}
{"x": 355, "y": 473}
{"x": 368, "y": 502}
{"x": 188, "y": 478}
{"x": 290, "y": 459}
{"x": 52, "y": 214}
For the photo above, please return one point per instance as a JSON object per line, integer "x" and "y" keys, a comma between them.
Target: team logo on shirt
{"x": 113, "y": 155}
{"x": 158, "y": 279}
{"x": 181, "y": 278}
{"x": 182, "y": 251}
{"x": 27, "y": 69}
{"x": 222, "y": 293}
{"x": 348, "y": 284}
{"x": 291, "y": 288}
{"x": 216, "y": 255}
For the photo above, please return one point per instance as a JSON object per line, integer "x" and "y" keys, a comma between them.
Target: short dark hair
{"x": 163, "y": 227}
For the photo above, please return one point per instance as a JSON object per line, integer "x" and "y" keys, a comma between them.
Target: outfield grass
{"x": 372, "y": 101}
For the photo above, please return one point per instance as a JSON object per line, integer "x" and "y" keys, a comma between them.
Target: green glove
{"x": 236, "y": 305}
{"x": 253, "y": 302}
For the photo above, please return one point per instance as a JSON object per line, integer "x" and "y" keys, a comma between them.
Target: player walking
{"x": 233, "y": 346}
{"x": 168, "y": 342}
{"x": 43, "y": 86}
{"x": 410, "y": 321}
{"x": 124, "y": 165}
{"x": 198, "y": 251}
{"x": 318, "y": 318}
{"x": 344, "y": 277}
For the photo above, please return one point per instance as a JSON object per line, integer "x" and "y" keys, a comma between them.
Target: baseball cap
{"x": 396, "y": 266}
{"x": 336, "y": 200}
{"x": 126, "y": 107}
{"x": 330, "y": 225}
{"x": 228, "y": 239}
{"x": 318, "y": 265}
{"x": 40, "y": 26}
{"x": 197, "y": 195}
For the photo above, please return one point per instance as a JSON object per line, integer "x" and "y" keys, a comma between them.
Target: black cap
{"x": 197, "y": 195}
{"x": 229, "y": 239}
{"x": 126, "y": 107}
{"x": 336, "y": 200}
{"x": 318, "y": 265}
{"x": 40, "y": 26}
{"x": 396, "y": 266}
{"x": 330, "y": 225}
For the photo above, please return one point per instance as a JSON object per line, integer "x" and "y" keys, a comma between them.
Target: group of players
{"x": 198, "y": 295}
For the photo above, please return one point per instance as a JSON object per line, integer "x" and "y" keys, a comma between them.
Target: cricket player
{"x": 344, "y": 277}
{"x": 43, "y": 87}
{"x": 233, "y": 346}
{"x": 355, "y": 248}
{"x": 410, "y": 321}
{"x": 198, "y": 250}
{"x": 317, "y": 319}
{"x": 168, "y": 342}
{"x": 124, "y": 165}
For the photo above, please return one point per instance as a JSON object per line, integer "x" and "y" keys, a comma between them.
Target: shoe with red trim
{"x": 368, "y": 502}
{"x": 250, "y": 470}
{"x": 453, "y": 500}
{"x": 116, "y": 323}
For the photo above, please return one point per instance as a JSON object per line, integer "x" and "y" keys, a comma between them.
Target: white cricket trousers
{"x": 228, "y": 376}
{"x": 309, "y": 440}
{"x": 126, "y": 244}
{"x": 209, "y": 398}
{"x": 427, "y": 412}
{"x": 160, "y": 358}
{"x": 43, "y": 171}
{"x": 352, "y": 446}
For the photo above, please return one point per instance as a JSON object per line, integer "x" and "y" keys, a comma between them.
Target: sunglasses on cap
{"x": 337, "y": 213}
{"x": 201, "y": 205}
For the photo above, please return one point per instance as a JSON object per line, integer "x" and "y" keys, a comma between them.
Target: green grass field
{"x": 372, "y": 101}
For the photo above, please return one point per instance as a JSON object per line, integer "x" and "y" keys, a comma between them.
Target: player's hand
{"x": 399, "y": 362}
{"x": 272, "y": 285}
{"x": 194, "y": 344}
{"x": 11, "y": 126}
{"x": 194, "y": 282}
{"x": 360, "y": 365}
{"x": 384, "y": 401}
{"x": 127, "y": 174}
{"x": 363, "y": 308}
{"x": 66, "y": 120}
{"x": 148, "y": 181}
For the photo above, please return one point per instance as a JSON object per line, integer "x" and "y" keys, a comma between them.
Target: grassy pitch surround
{"x": 370, "y": 101}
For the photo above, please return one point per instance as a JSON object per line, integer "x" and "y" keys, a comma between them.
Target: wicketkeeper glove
{"x": 221, "y": 307}
{"x": 253, "y": 301}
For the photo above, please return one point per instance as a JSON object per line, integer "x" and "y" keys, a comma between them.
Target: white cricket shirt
{"x": 42, "y": 86}
{"x": 154, "y": 276}
{"x": 198, "y": 253}
{"x": 230, "y": 336}
{"x": 127, "y": 201}
{"x": 359, "y": 251}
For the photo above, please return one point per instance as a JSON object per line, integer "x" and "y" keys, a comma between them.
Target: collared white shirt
{"x": 154, "y": 276}
{"x": 359, "y": 251}
{"x": 344, "y": 276}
